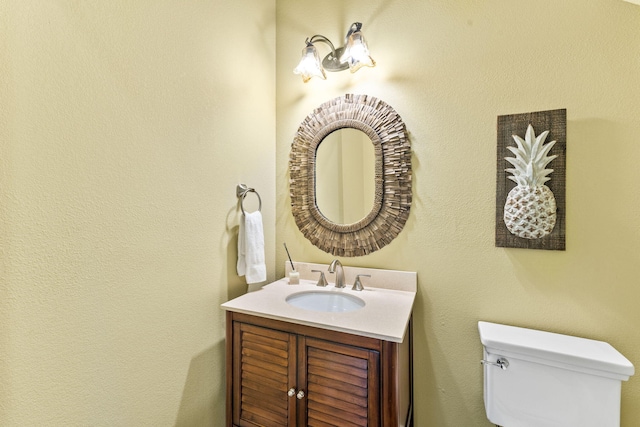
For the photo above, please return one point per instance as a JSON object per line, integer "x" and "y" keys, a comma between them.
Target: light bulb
{"x": 310, "y": 65}
{"x": 356, "y": 52}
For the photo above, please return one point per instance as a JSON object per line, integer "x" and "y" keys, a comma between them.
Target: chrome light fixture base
{"x": 332, "y": 63}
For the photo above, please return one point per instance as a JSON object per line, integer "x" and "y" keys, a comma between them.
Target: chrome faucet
{"x": 339, "y": 272}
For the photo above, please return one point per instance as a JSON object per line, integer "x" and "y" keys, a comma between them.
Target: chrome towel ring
{"x": 241, "y": 192}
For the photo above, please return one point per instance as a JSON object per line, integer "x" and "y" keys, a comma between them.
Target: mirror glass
{"x": 345, "y": 176}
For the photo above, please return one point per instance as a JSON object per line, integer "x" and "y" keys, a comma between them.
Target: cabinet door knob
{"x": 300, "y": 395}
{"x": 291, "y": 392}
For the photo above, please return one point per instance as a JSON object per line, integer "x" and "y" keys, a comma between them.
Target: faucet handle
{"x": 357, "y": 285}
{"x": 322, "y": 281}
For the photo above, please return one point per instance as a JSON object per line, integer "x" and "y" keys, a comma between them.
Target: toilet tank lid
{"x": 565, "y": 349}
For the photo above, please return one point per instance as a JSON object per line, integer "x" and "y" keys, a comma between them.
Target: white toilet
{"x": 541, "y": 379}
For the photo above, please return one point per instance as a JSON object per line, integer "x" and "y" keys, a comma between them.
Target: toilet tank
{"x": 551, "y": 380}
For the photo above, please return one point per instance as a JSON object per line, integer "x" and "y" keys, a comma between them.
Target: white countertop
{"x": 385, "y": 315}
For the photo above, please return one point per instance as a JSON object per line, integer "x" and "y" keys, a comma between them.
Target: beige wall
{"x": 124, "y": 129}
{"x": 450, "y": 68}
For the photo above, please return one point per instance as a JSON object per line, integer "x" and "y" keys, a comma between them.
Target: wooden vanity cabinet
{"x": 281, "y": 374}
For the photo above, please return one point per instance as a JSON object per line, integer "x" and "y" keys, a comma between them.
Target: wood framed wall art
{"x": 530, "y": 182}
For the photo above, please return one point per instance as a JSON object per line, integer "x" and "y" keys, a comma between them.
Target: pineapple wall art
{"x": 531, "y": 170}
{"x": 530, "y": 209}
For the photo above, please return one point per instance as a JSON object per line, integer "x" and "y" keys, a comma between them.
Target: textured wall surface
{"x": 124, "y": 129}
{"x": 125, "y": 126}
{"x": 450, "y": 68}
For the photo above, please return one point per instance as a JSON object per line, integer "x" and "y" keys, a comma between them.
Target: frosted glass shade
{"x": 356, "y": 52}
{"x": 310, "y": 65}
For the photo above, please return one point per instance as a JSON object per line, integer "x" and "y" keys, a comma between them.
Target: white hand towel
{"x": 241, "y": 266}
{"x": 251, "y": 248}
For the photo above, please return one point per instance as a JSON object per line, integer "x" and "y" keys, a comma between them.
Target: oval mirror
{"x": 345, "y": 176}
{"x": 392, "y": 177}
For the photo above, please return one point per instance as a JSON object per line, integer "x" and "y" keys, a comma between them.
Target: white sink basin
{"x": 327, "y": 301}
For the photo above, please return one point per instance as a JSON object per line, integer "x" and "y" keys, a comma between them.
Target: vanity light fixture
{"x": 354, "y": 55}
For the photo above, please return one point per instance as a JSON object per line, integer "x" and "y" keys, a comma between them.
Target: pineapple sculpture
{"x": 530, "y": 209}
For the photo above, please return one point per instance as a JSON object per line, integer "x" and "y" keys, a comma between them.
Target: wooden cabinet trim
{"x": 311, "y": 331}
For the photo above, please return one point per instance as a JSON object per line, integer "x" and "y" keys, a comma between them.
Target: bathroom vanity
{"x": 293, "y": 366}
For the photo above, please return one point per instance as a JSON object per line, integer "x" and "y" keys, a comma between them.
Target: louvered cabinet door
{"x": 264, "y": 367}
{"x": 341, "y": 382}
